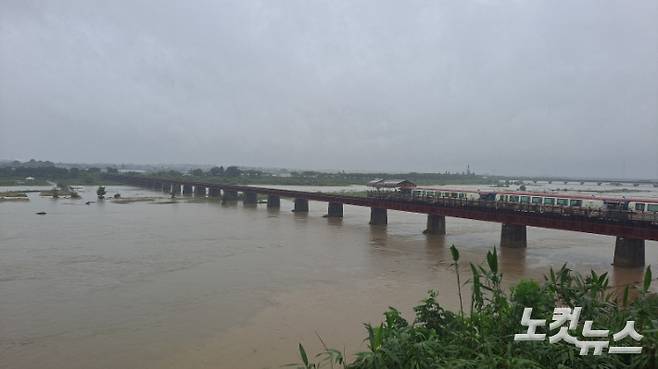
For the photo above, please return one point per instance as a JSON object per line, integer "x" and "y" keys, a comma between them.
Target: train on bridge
{"x": 551, "y": 202}
{"x": 630, "y": 220}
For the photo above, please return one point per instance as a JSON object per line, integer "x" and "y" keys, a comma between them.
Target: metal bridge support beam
{"x": 250, "y": 197}
{"x": 436, "y": 224}
{"x": 301, "y": 206}
{"x": 273, "y": 201}
{"x": 629, "y": 252}
{"x": 513, "y": 236}
{"x": 230, "y": 196}
{"x": 187, "y": 189}
{"x": 334, "y": 210}
{"x": 200, "y": 191}
{"x": 214, "y": 192}
{"x": 378, "y": 216}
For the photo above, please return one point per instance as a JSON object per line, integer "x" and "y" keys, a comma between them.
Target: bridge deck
{"x": 612, "y": 223}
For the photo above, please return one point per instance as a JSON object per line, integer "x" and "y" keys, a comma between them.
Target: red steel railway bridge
{"x": 630, "y": 233}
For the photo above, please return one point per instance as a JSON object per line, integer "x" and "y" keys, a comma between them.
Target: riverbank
{"x": 22, "y": 182}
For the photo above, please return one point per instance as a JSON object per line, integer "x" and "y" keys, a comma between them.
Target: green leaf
{"x": 302, "y": 353}
{"x": 492, "y": 260}
{"x": 647, "y": 279}
{"x": 455, "y": 253}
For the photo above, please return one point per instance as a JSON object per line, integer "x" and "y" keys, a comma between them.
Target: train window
{"x": 536, "y": 200}
{"x": 652, "y": 207}
{"x": 549, "y": 201}
{"x": 576, "y": 203}
{"x": 612, "y": 205}
{"x": 462, "y": 195}
{"x": 639, "y": 206}
{"x": 513, "y": 198}
{"x": 453, "y": 195}
{"x": 503, "y": 198}
{"x": 563, "y": 202}
{"x": 525, "y": 199}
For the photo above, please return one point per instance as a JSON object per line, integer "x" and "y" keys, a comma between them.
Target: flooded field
{"x": 198, "y": 284}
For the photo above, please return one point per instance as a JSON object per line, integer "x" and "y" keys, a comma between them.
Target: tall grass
{"x": 438, "y": 338}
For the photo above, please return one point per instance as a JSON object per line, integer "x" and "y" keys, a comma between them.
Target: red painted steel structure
{"x": 476, "y": 210}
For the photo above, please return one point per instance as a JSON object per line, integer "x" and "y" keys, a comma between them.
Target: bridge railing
{"x": 607, "y": 215}
{"x": 614, "y": 215}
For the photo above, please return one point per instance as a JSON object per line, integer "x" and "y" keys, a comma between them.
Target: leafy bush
{"x": 438, "y": 338}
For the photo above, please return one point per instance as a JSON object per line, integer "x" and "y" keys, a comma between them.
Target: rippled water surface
{"x": 197, "y": 284}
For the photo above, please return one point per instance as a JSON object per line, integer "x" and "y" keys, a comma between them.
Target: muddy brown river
{"x": 196, "y": 284}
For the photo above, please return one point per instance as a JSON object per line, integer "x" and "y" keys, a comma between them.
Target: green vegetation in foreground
{"x": 438, "y": 338}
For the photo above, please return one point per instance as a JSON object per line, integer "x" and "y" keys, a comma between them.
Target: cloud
{"x": 542, "y": 87}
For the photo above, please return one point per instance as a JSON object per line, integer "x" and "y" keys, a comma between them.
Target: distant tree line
{"x": 234, "y": 174}
{"x": 48, "y": 170}
{"x": 230, "y": 171}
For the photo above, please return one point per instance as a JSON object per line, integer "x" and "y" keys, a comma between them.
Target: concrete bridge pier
{"x": 250, "y": 198}
{"x": 214, "y": 192}
{"x": 629, "y": 252}
{"x": 273, "y": 201}
{"x": 334, "y": 210}
{"x": 200, "y": 191}
{"x": 229, "y": 196}
{"x": 166, "y": 187}
{"x": 187, "y": 189}
{"x": 378, "y": 216}
{"x": 513, "y": 236}
{"x": 436, "y": 224}
{"x": 301, "y": 206}
{"x": 175, "y": 188}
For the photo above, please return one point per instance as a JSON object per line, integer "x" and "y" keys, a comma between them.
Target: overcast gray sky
{"x": 509, "y": 87}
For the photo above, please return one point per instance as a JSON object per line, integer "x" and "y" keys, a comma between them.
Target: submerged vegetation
{"x": 13, "y": 196}
{"x": 63, "y": 191}
{"x": 484, "y": 337}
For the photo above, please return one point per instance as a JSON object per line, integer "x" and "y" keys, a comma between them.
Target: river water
{"x": 197, "y": 284}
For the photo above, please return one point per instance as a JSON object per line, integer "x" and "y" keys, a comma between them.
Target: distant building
{"x": 402, "y": 184}
{"x": 29, "y": 179}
